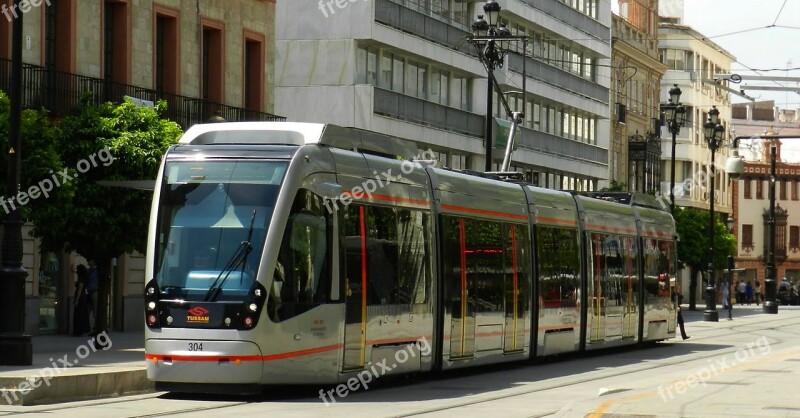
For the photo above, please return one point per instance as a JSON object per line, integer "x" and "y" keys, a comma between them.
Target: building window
{"x": 386, "y": 71}
{"x": 167, "y": 51}
{"x": 212, "y": 62}
{"x": 794, "y": 237}
{"x": 674, "y": 59}
{"x": 747, "y": 236}
{"x": 747, "y": 188}
{"x": 5, "y": 33}
{"x": 116, "y": 33}
{"x": 372, "y": 66}
{"x": 782, "y": 186}
{"x": 794, "y": 189}
{"x": 759, "y": 189}
{"x": 254, "y": 71}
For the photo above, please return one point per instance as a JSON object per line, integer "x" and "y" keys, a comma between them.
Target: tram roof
{"x": 299, "y": 133}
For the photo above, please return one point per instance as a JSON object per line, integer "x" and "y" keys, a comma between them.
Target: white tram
{"x": 295, "y": 253}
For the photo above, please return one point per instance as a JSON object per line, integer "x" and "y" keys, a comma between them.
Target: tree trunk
{"x": 103, "y": 292}
{"x": 693, "y": 271}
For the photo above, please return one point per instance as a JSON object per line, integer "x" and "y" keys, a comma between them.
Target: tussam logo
{"x": 197, "y": 315}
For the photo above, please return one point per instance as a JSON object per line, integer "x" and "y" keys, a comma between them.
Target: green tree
{"x": 693, "y": 231}
{"x": 107, "y": 222}
{"x": 614, "y": 186}
{"x": 40, "y": 164}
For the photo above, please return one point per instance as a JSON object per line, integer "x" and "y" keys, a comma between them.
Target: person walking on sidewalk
{"x": 748, "y": 290}
{"x": 726, "y": 294}
{"x": 680, "y": 324}
{"x": 757, "y": 291}
{"x": 92, "y": 285}
{"x": 80, "y": 317}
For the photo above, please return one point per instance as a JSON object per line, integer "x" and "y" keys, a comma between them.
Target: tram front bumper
{"x": 203, "y": 361}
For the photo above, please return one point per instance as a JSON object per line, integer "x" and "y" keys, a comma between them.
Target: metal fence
{"x": 61, "y": 93}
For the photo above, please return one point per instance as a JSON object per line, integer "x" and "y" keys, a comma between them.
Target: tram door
{"x": 630, "y": 322}
{"x": 462, "y": 324}
{"x": 355, "y": 326}
{"x": 514, "y": 258}
{"x": 597, "y": 297}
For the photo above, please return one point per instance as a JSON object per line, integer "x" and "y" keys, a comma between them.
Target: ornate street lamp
{"x": 491, "y": 38}
{"x": 15, "y": 346}
{"x": 714, "y": 134}
{"x": 730, "y": 224}
{"x": 676, "y": 115}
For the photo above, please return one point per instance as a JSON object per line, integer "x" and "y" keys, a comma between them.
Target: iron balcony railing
{"x": 60, "y": 93}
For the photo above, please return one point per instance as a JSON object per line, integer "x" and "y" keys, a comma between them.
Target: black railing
{"x": 61, "y": 93}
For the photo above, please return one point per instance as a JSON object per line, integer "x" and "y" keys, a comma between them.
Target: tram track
{"x": 716, "y": 353}
{"x": 744, "y": 329}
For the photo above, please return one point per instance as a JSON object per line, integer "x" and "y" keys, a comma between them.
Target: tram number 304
{"x": 195, "y": 346}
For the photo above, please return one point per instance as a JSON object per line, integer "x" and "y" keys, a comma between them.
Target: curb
{"x": 70, "y": 388}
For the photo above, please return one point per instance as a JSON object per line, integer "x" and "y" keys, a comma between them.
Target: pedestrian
{"x": 92, "y": 285}
{"x": 680, "y": 324}
{"x": 726, "y": 294}
{"x": 741, "y": 292}
{"x": 80, "y": 316}
{"x": 748, "y": 292}
{"x": 757, "y": 291}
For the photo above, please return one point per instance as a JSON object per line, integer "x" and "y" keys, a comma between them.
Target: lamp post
{"x": 15, "y": 346}
{"x": 714, "y": 133}
{"x": 490, "y": 36}
{"x": 677, "y": 116}
{"x": 730, "y": 223}
{"x": 770, "y": 304}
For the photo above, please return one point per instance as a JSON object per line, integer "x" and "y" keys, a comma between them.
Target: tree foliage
{"x": 40, "y": 161}
{"x": 693, "y": 248}
{"x": 694, "y": 232}
{"x": 109, "y": 142}
{"x": 107, "y": 222}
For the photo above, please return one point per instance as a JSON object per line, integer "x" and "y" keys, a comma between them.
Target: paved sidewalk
{"x": 67, "y": 368}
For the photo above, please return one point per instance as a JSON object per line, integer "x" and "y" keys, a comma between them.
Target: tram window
{"x": 611, "y": 265}
{"x": 396, "y": 245}
{"x": 559, "y": 265}
{"x": 484, "y": 252}
{"x": 658, "y": 263}
{"x": 302, "y": 274}
{"x": 414, "y": 263}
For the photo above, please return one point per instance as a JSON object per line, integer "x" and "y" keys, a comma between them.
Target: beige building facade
{"x": 635, "y": 151}
{"x": 205, "y": 58}
{"x": 751, "y": 192}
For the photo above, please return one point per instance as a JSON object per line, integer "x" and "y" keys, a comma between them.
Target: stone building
{"x": 205, "y": 58}
{"x": 635, "y": 151}
{"x": 751, "y": 191}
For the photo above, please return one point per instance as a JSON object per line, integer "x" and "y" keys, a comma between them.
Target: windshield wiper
{"x": 239, "y": 257}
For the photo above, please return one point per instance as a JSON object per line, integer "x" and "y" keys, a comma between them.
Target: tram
{"x": 297, "y": 253}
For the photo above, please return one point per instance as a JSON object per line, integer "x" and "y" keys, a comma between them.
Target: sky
{"x": 761, "y": 34}
{"x": 764, "y": 37}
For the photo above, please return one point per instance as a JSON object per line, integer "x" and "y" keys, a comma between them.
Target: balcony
{"x": 61, "y": 94}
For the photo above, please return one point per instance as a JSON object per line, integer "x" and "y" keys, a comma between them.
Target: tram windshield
{"x": 207, "y": 210}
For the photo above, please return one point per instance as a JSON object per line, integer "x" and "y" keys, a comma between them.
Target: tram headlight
{"x": 253, "y": 307}
{"x": 151, "y": 290}
{"x": 248, "y": 321}
{"x": 152, "y": 319}
{"x": 257, "y": 292}
{"x": 151, "y": 305}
